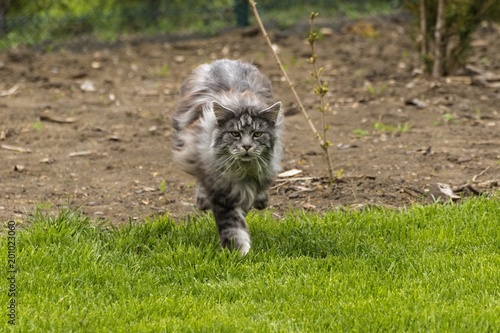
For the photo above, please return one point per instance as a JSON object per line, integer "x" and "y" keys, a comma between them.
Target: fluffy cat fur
{"x": 227, "y": 135}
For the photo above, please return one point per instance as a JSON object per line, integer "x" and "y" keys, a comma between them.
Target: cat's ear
{"x": 272, "y": 113}
{"x": 222, "y": 113}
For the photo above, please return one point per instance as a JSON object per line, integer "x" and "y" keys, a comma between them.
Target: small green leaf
{"x": 313, "y": 15}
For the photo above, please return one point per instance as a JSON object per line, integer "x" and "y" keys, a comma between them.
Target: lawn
{"x": 421, "y": 269}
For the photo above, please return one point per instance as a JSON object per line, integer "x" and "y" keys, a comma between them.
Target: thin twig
{"x": 10, "y": 91}
{"x": 14, "y": 148}
{"x": 321, "y": 140}
{"x": 290, "y": 180}
{"x": 282, "y": 68}
{"x": 474, "y": 179}
{"x": 296, "y": 179}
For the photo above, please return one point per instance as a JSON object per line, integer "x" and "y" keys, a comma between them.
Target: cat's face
{"x": 248, "y": 135}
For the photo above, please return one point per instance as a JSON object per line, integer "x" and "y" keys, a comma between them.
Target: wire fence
{"x": 110, "y": 19}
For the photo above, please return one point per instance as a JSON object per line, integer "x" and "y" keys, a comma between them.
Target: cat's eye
{"x": 257, "y": 134}
{"x": 236, "y": 134}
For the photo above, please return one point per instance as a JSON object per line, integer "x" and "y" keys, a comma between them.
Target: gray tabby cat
{"x": 228, "y": 131}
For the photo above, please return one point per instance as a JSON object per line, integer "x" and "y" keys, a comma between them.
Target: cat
{"x": 228, "y": 135}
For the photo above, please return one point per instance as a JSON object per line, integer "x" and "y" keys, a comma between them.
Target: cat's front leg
{"x": 202, "y": 201}
{"x": 233, "y": 230}
{"x": 261, "y": 200}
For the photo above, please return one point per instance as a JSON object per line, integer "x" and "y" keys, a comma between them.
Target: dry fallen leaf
{"x": 326, "y": 31}
{"x": 425, "y": 151}
{"x": 88, "y": 85}
{"x": 308, "y": 206}
{"x": 114, "y": 138}
{"x": 47, "y": 160}
{"x": 179, "y": 59}
{"x": 416, "y": 102}
{"x": 342, "y": 146}
{"x": 446, "y": 190}
{"x": 459, "y": 80}
{"x": 145, "y": 189}
{"x": 303, "y": 189}
{"x": 290, "y": 173}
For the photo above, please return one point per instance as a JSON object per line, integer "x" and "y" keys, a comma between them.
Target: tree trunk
{"x": 423, "y": 29}
{"x": 437, "y": 68}
{"x": 3, "y": 17}
{"x": 241, "y": 10}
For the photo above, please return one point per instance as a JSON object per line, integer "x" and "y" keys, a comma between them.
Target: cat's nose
{"x": 247, "y": 147}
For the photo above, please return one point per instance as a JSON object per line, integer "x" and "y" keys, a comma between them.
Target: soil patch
{"x": 91, "y": 129}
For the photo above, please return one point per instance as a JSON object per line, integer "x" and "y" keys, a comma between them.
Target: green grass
{"x": 423, "y": 269}
{"x": 399, "y": 128}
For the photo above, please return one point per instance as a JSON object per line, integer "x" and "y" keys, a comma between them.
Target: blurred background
{"x": 45, "y": 22}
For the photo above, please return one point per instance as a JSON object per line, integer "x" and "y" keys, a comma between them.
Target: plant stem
{"x": 321, "y": 91}
{"x": 282, "y": 68}
{"x": 318, "y": 137}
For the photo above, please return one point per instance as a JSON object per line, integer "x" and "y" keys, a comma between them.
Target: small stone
{"x": 179, "y": 59}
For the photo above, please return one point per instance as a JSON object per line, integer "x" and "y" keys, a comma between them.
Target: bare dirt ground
{"x": 90, "y": 128}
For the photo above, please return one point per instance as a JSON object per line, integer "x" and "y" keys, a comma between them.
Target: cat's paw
{"x": 236, "y": 239}
{"x": 261, "y": 201}
{"x": 202, "y": 203}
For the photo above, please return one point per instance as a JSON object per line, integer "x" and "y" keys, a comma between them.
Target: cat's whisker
{"x": 223, "y": 169}
{"x": 220, "y": 163}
